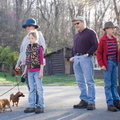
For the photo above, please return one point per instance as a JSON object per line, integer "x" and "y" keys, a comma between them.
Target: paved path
{"x": 59, "y": 101}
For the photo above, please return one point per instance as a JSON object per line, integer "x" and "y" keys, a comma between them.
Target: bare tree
{"x": 117, "y": 10}
{"x": 54, "y": 18}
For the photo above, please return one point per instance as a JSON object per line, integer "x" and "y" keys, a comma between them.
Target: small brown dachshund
{"x": 3, "y": 103}
{"x": 15, "y": 98}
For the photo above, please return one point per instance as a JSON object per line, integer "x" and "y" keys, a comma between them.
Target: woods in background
{"x": 54, "y": 18}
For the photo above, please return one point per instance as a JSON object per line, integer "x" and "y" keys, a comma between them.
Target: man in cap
{"x": 30, "y": 25}
{"x": 85, "y": 45}
{"x": 107, "y": 56}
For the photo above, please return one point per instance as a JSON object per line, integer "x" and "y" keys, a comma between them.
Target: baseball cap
{"x": 78, "y": 18}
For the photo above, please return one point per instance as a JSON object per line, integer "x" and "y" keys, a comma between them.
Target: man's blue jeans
{"x": 35, "y": 84}
{"x": 83, "y": 69}
{"x": 110, "y": 82}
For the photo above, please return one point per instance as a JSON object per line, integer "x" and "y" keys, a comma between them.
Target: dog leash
{"x": 11, "y": 88}
{"x": 16, "y": 72}
{"x": 17, "y": 83}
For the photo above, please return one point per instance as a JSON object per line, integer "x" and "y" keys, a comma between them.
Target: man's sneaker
{"x": 117, "y": 104}
{"x": 29, "y": 110}
{"x": 91, "y": 107}
{"x": 81, "y": 104}
{"x": 112, "y": 108}
{"x": 39, "y": 110}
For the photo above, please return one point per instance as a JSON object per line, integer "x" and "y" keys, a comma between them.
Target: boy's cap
{"x": 109, "y": 25}
{"x": 78, "y": 18}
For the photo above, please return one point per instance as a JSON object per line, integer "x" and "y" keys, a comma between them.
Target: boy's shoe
{"x": 112, "y": 108}
{"x": 117, "y": 104}
{"x": 91, "y": 107}
{"x": 29, "y": 110}
{"x": 81, "y": 104}
{"x": 39, "y": 110}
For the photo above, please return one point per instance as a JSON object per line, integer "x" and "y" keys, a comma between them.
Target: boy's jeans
{"x": 35, "y": 84}
{"x": 110, "y": 82}
{"x": 83, "y": 69}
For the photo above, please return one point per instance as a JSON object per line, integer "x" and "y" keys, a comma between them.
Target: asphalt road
{"x": 59, "y": 101}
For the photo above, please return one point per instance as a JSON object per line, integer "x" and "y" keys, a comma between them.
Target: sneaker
{"x": 29, "y": 110}
{"x": 39, "y": 110}
{"x": 117, "y": 104}
{"x": 112, "y": 108}
{"x": 81, "y": 104}
{"x": 91, "y": 107}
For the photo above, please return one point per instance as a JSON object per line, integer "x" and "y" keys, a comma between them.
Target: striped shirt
{"x": 85, "y": 42}
{"x": 112, "y": 48}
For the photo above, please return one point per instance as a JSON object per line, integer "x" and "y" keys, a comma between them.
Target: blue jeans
{"x": 26, "y": 79}
{"x": 35, "y": 84}
{"x": 83, "y": 69}
{"x": 110, "y": 82}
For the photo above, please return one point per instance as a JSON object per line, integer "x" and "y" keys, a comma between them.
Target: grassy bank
{"x": 63, "y": 80}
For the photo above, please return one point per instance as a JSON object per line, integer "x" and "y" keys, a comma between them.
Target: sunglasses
{"x": 77, "y": 23}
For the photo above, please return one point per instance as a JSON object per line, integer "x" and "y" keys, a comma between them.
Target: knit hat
{"x": 30, "y": 22}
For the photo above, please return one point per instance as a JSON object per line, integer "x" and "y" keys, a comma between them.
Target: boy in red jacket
{"x": 107, "y": 57}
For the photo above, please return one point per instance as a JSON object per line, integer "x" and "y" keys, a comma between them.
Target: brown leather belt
{"x": 112, "y": 59}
